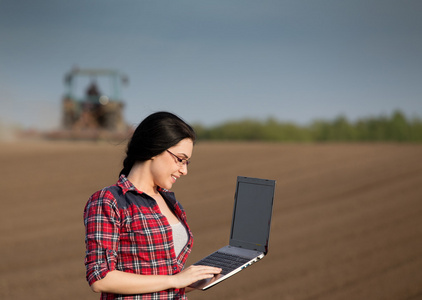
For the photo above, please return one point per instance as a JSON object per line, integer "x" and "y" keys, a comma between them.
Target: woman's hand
{"x": 193, "y": 274}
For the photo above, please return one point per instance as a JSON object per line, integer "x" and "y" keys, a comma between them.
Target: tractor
{"x": 96, "y": 115}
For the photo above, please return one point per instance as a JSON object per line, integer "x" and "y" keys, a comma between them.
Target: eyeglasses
{"x": 180, "y": 161}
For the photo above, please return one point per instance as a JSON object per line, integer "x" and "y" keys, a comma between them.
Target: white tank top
{"x": 180, "y": 237}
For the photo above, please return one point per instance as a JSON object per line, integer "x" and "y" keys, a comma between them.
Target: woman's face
{"x": 166, "y": 168}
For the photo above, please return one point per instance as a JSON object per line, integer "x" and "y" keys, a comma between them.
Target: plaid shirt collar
{"x": 126, "y": 186}
{"x": 169, "y": 196}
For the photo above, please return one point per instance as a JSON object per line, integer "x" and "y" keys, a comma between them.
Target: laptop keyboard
{"x": 224, "y": 261}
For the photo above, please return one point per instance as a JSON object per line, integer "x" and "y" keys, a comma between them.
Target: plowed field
{"x": 347, "y": 220}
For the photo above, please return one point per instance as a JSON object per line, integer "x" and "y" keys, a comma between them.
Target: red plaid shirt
{"x": 128, "y": 233}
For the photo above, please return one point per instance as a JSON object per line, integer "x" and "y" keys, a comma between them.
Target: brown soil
{"x": 346, "y": 223}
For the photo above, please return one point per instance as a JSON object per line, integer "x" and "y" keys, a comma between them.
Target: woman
{"x": 137, "y": 238}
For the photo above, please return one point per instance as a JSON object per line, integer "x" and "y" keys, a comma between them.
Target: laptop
{"x": 250, "y": 231}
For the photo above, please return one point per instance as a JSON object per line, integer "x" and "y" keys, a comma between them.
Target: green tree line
{"x": 394, "y": 128}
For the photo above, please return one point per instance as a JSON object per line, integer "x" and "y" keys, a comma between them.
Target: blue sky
{"x": 211, "y": 61}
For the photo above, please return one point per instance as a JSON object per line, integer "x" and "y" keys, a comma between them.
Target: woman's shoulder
{"x": 104, "y": 196}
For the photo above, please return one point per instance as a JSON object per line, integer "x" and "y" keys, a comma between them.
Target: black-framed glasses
{"x": 180, "y": 161}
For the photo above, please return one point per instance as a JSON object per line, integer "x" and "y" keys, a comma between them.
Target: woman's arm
{"x": 118, "y": 282}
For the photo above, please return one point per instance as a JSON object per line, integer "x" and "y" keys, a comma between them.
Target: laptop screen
{"x": 252, "y": 213}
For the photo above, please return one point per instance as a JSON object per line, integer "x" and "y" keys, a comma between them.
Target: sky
{"x": 213, "y": 61}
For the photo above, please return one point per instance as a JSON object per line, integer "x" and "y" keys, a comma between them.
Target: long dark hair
{"x": 155, "y": 134}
